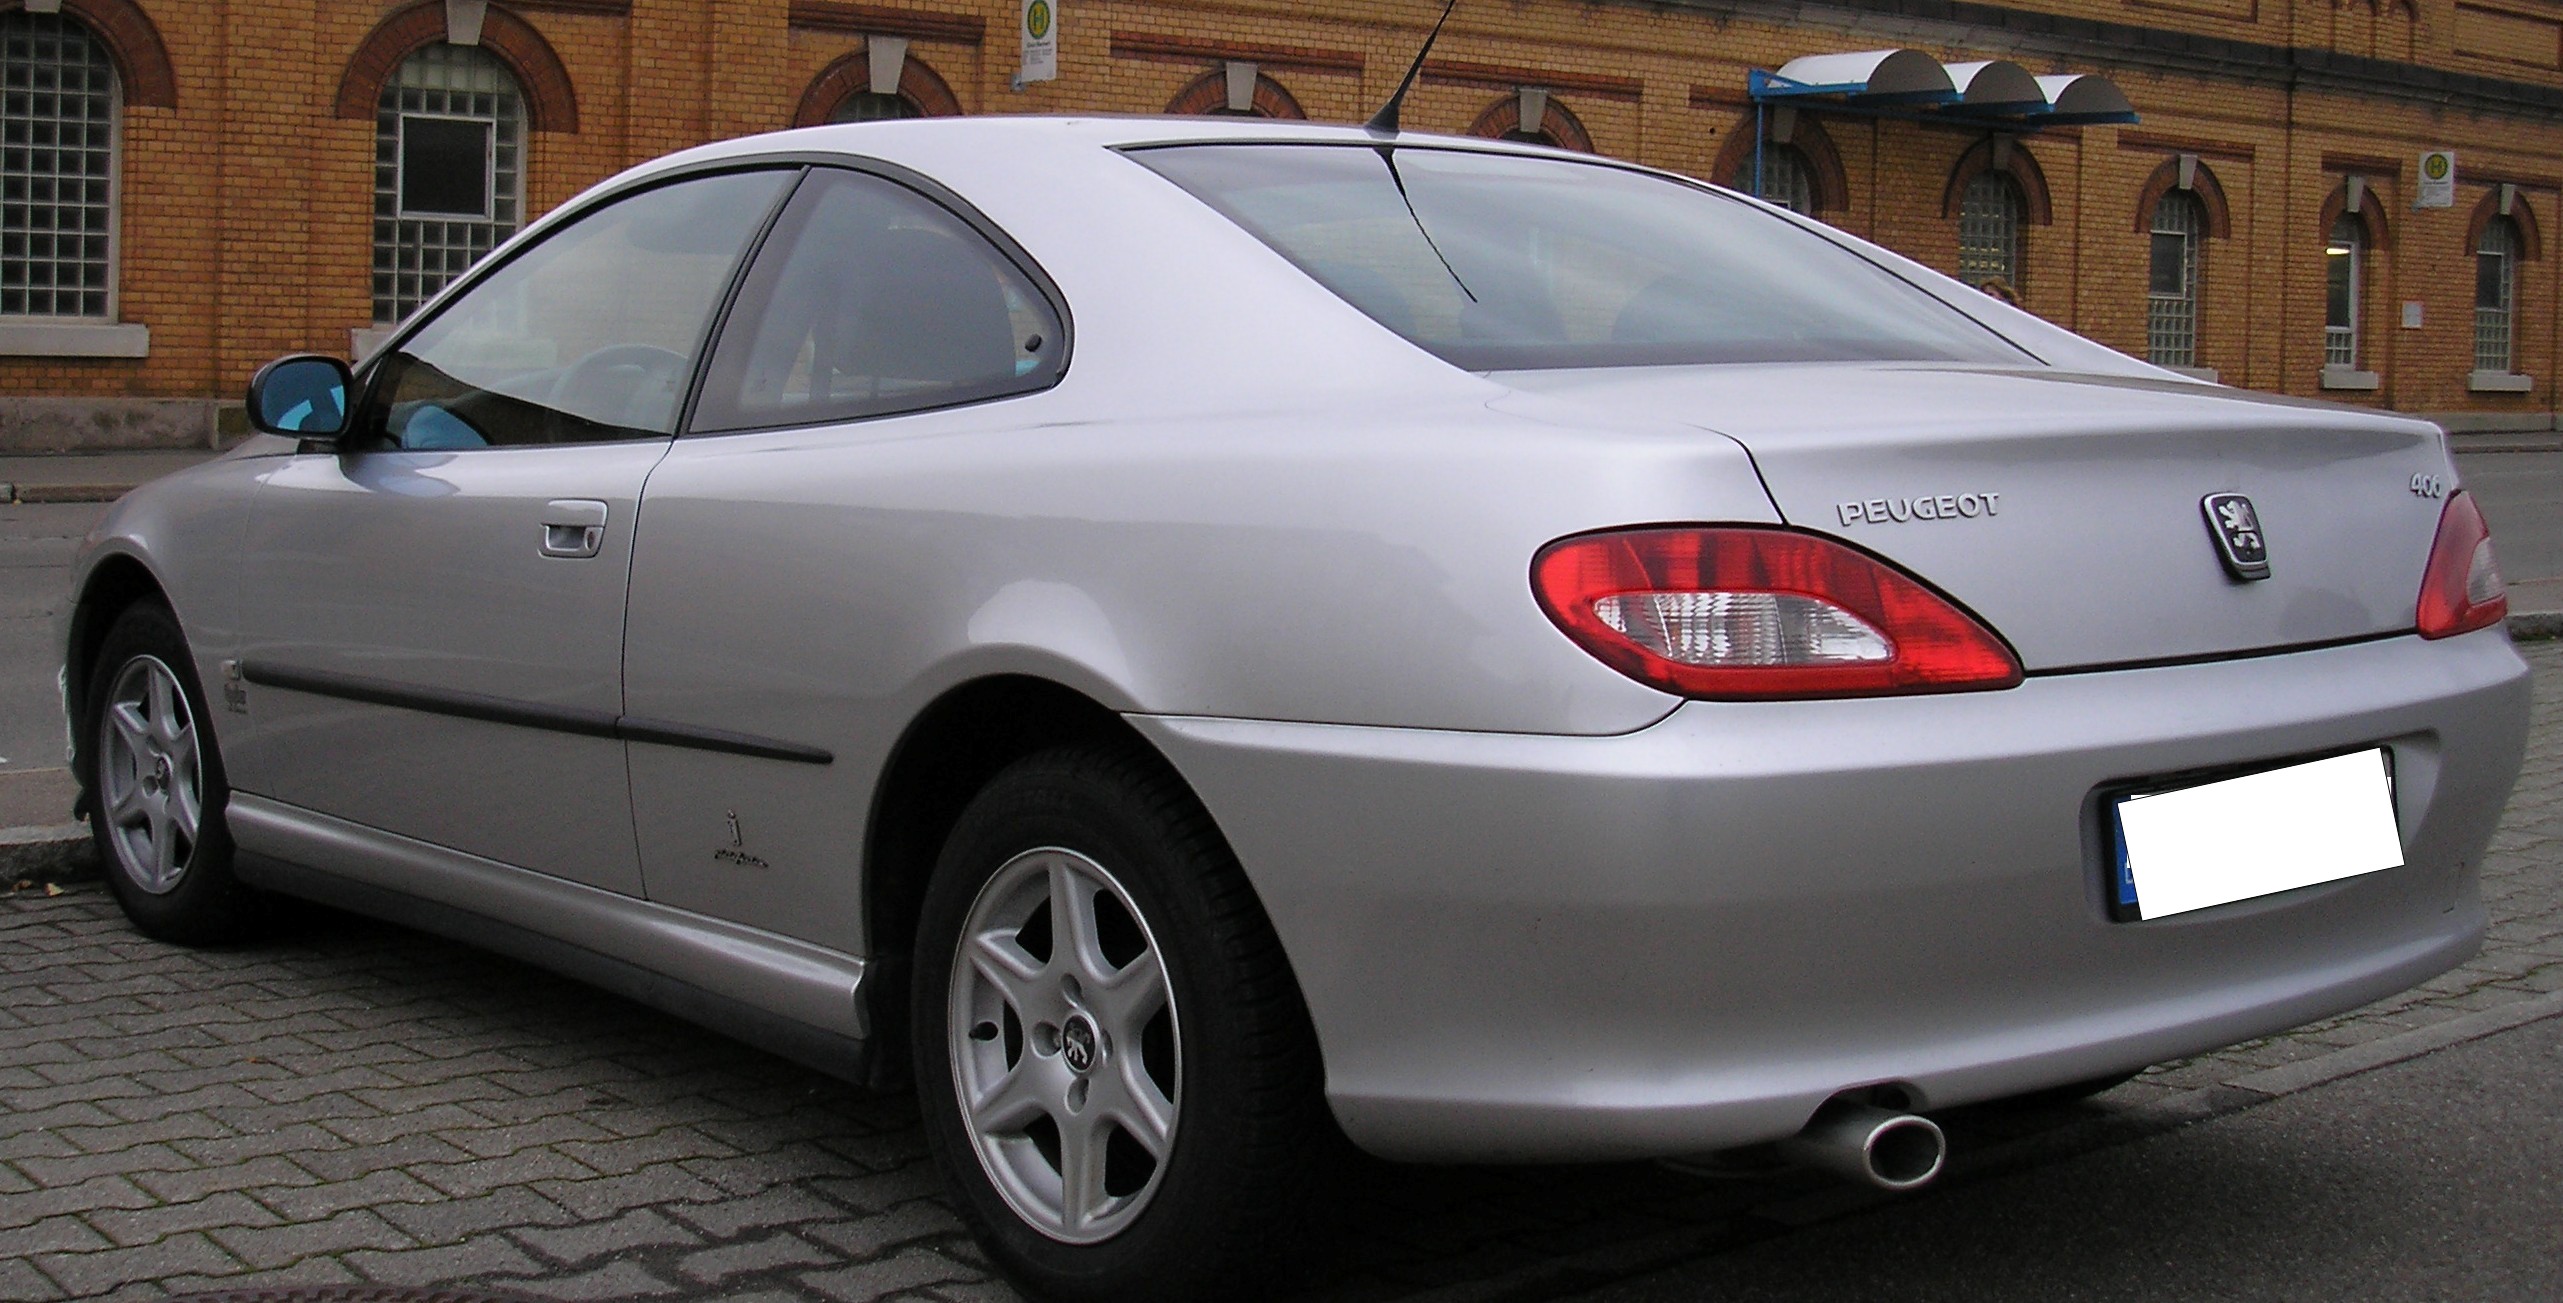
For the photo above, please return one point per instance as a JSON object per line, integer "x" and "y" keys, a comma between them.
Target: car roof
{"x": 920, "y": 141}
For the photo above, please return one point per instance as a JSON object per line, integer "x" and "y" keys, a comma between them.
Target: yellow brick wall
{"x": 246, "y": 218}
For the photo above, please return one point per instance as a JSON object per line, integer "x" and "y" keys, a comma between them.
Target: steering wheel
{"x": 628, "y": 386}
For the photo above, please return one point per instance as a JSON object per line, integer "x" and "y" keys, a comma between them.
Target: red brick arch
{"x": 133, "y": 44}
{"x": 1832, "y": 187}
{"x": 2373, "y": 229}
{"x": 1558, "y": 123}
{"x": 2210, "y": 192}
{"x": 2531, "y": 240}
{"x": 852, "y": 75}
{"x": 2020, "y": 165}
{"x": 551, "y": 103}
{"x": 1208, "y": 93}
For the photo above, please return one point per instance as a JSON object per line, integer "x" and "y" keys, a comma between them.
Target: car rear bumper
{"x": 1688, "y": 937}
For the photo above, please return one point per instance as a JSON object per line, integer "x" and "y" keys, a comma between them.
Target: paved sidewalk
{"x": 88, "y": 477}
{"x": 361, "y": 1103}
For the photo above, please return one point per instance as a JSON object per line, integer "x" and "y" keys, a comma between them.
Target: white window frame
{"x": 2502, "y": 378}
{"x": 2014, "y": 239}
{"x": 489, "y": 171}
{"x": 2193, "y": 236}
{"x": 106, "y": 334}
{"x": 2341, "y": 342}
{"x": 1776, "y": 153}
{"x": 362, "y": 340}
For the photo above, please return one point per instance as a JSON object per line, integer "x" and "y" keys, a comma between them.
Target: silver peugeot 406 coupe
{"x": 1187, "y": 637}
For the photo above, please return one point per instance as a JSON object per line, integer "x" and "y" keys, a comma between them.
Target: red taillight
{"x": 1742, "y": 613}
{"x": 2462, "y": 590}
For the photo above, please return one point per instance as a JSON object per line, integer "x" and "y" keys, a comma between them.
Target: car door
{"x": 764, "y": 585}
{"x": 433, "y": 609}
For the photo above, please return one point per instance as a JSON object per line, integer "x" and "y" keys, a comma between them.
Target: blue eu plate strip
{"x": 2126, "y": 872}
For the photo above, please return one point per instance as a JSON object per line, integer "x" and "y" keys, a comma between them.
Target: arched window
{"x": 1236, "y": 89}
{"x": 2496, "y": 259}
{"x": 2171, "y": 308}
{"x": 449, "y": 139}
{"x": 870, "y": 106}
{"x": 2344, "y": 274}
{"x": 1787, "y": 179}
{"x": 1990, "y": 216}
{"x": 58, "y": 108}
{"x": 877, "y": 81}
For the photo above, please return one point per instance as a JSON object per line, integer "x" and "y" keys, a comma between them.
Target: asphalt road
{"x": 36, "y": 543}
{"x": 2522, "y": 496}
{"x": 2437, "y": 1178}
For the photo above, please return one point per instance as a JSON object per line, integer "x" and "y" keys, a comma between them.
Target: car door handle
{"x": 573, "y": 527}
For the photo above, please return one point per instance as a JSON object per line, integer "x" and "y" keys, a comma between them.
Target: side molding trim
{"x": 804, "y": 999}
{"x": 502, "y": 710}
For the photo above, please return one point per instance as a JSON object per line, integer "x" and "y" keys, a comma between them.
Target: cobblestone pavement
{"x": 359, "y": 1103}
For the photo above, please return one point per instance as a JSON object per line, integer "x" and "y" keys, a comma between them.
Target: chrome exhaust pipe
{"x": 1876, "y": 1146}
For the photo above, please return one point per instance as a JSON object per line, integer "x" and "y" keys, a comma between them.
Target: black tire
{"x": 1250, "y": 1136}
{"x": 201, "y": 903}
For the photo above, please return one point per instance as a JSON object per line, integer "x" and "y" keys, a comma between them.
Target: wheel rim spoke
{"x": 125, "y": 805}
{"x": 186, "y": 808}
{"x": 1081, "y": 1171}
{"x": 164, "y": 847}
{"x": 133, "y": 727}
{"x": 164, "y": 710}
{"x": 1142, "y": 1110}
{"x": 1015, "y": 1102}
{"x": 1003, "y": 965}
{"x": 1072, "y": 921}
{"x": 1134, "y": 994}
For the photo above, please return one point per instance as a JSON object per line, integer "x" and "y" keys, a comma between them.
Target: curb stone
{"x": 61, "y": 852}
{"x": 36, "y": 493}
{"x": 2536, "y": 626}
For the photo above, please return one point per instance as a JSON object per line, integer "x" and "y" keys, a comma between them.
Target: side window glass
{"x": 588, "y": 337}
{"x": 868, "y": 299}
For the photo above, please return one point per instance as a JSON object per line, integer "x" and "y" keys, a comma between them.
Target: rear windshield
{"x": 1500, "y": 262}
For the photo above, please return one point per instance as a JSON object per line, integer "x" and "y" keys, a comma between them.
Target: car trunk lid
{"x": 2069, "y": 511}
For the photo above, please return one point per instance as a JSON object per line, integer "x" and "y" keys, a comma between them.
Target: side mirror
{"x": 303, "y": 395}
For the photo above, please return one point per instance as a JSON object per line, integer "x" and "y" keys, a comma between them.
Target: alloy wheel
{"x": 1066, "y": 1049}
{"x": 150, "y": 775}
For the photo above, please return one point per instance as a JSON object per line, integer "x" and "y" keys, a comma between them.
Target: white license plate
{"x": 2257, "y": 835}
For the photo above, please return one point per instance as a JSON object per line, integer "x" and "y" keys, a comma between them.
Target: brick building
{"x": 189, "y": 187}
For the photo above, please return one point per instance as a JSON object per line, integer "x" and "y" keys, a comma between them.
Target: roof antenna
{"x": 1384, "y": 122}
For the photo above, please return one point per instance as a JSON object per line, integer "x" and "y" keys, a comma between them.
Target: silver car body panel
{"x": 1539, "y": 909}
{"x": 2089, "y": 533}
{"x": 807, "y": 984}
{"x": 425, "y": 571}
{"x": 1692, "y": 935}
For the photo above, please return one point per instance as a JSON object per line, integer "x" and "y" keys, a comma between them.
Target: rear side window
{"x": 1496, "y": 262}
{"x": 870, "y": 298}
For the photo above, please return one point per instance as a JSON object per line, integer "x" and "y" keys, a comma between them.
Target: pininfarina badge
{"x": 2235, "y": 526}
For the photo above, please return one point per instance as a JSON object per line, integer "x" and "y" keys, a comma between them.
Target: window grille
{"x": 450, "y": 110}
{"x": 2495, "y": 295}
{"x": 2342, "y": 256}
{"x": 58, "y": 104}
{"x": 1787, "y": 179}
{"x": 865, "y": 106}
{"x": 1990, "y": 215}
{"x": 2171, "y": 308}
